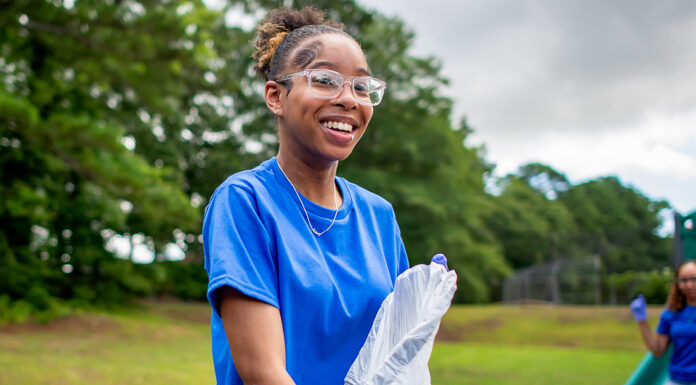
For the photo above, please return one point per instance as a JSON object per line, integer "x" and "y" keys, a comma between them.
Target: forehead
{"x": 335, "y": 51}
{"x": 688, "y": 269}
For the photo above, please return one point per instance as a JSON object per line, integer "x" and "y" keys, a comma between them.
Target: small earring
{"x": 276, "y": 112}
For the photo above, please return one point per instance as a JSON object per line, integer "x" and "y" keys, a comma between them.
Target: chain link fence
{"x": 563, "y": 281}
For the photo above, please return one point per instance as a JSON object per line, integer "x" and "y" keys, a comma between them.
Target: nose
{"x": 345, "y": 97}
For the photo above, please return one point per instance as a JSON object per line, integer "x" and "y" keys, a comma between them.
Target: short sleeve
{"x": 402, "y": 263}
{"x": 665, "y": 325}
{"x": 237, "y": 247}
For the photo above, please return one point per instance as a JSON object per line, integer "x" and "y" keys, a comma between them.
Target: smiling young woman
{"x": 317, "y": 131}
{"x": 677, "y": 325}
{"x": 299, "y": 260}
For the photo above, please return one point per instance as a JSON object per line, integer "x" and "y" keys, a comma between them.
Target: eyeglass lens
{"x": 329, "y": 84}
{"x": 685, "y": 280}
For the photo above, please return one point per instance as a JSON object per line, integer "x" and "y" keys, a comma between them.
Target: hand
{"x": 441, "y": 259}
{"x": 639, "y": 308}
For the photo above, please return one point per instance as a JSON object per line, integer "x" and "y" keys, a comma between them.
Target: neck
{"x": 315, "y": 182}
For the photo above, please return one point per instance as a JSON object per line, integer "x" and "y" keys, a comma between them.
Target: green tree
{"x": 539, "y": 215}
{"x": 544, "y": 178}
{"x": 532, "y": 228}
{"x": 618, "y": 223}
{"x": 80, "y": 84}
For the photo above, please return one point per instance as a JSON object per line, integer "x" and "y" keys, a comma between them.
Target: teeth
{"x": 345, "y": 127}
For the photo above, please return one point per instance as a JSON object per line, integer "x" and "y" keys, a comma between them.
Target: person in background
{"x": 299, "y": 260}
{"x": 677, "y": 325}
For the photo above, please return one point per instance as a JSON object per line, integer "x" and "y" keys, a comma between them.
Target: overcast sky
{"x": 591, "y": 88}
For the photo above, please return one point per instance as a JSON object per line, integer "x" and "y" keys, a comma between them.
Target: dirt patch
{"x": 463, "y": 332}
{"x": 568, "y": 344}
{"x": 77, "y": 323}
{"x": 576, "y": 318}
{"x": 183, "y": 315}
{"x": 589, "y": 315}
{"x": 447, "y": 335}
{"x": 178, "y": 310}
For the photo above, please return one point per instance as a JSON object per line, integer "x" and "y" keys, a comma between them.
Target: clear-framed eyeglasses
{"x": 329, "y": 84}
{"x": 686, "y": 280}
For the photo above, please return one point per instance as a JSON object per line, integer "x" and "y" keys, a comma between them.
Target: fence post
{"x": 598, "y": 280}
{"x": 555, "y": 287}
{"x": 612, "y": 294}
{"x": 527, "y": 286}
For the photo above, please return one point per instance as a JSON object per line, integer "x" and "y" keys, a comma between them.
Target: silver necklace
{"x": 317, "y": 233}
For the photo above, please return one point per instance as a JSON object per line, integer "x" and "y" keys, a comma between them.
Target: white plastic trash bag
{"x": 399, "y": 345}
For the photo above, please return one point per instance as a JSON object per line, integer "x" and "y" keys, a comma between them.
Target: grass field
{"x": 168, "y": 343}
{"x": 539, "y": 345}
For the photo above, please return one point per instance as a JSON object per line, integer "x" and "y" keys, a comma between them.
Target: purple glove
{"x": 639, "y": 308}
{"x": 441, "y": 259}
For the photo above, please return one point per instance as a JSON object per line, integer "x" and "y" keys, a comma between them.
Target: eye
{"x": 361, "y": 85}
{"x": 325, "y": 79}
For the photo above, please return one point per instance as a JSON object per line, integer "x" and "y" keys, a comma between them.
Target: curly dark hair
{"x": 282, "y": 30}
{"x": 676, "y": 299}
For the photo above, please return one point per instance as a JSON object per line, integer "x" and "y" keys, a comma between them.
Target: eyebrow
{"x": 307, "y": 54}
{"x": 325, "y": 63}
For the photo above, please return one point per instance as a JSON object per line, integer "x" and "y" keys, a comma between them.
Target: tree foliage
{"x": 540, "y": 215}
{"x": 77, "y": 83}
{"x": 618, "y": 223}
{"x": 532, "y": 228}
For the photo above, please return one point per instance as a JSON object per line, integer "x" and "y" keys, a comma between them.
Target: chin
{"x": 341, "y": 157}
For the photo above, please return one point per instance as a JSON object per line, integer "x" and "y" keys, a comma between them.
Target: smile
{"x": 339, "y": 126}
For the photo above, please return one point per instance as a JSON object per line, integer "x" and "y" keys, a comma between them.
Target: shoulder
{"x": 244, "y": 189}
{"x": 668, "y": 315}
{"x": 363, "y": 196}
{"x": 687, "y": 313}
{"x": 250, "y": 181}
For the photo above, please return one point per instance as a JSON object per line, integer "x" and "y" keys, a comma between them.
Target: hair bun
{"x": 276, "y": 26}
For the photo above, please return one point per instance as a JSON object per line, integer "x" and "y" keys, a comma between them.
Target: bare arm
{"x": 657, "y": 343}
{"x": 255, "y": 335}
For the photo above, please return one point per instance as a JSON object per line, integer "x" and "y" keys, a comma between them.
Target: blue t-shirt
{"x": 328, "y": 289}
{"x": 681, "y": 328}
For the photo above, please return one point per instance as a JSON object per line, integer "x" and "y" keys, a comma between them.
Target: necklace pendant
{"x": 309, "y": 223}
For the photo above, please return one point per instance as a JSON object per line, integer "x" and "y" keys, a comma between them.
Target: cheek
{"x": 367, "y": 113}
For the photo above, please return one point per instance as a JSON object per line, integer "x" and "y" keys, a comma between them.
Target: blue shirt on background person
{"x": 681, "y": 328}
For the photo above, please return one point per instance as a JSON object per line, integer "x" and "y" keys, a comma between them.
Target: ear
{"x": 272, "y": 94}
